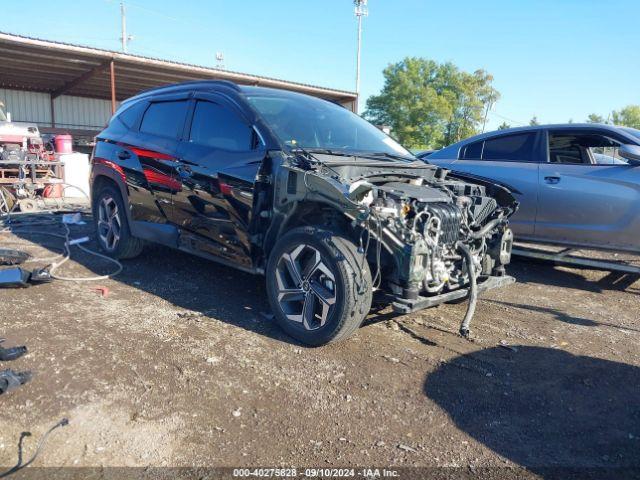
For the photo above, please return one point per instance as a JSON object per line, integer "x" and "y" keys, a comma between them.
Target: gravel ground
{"x": 179, "y": 366}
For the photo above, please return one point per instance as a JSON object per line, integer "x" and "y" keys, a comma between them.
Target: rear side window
{"x": 473, "y": 151}
{"x": 215, "y": 126}
{"x": 132, "y": 114}
{"x": 510, "y": 148}
{"x": 165, "y": 119}
{"x": 515, "y": 148}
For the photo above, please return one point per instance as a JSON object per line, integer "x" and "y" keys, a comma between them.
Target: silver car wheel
{"x": 109, "y": 223}
{"x": 306, "y": 287}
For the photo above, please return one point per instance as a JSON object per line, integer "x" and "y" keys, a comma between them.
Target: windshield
{"x": 315, "y": 124}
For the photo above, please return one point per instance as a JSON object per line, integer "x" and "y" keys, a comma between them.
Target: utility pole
{"x": 125, "y": 38}
{"x": 361, "y": 10}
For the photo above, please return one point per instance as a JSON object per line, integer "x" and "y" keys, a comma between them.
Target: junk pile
{"x": 9, "y": 379}
{"x": 35, "y": 174}
{"x": 42, "y": 228}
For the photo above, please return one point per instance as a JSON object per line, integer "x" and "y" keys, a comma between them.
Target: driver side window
{"x": 217, "y": 127}
{"x": 584, "y": 148}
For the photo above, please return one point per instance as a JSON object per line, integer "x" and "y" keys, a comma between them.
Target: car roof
{"x": 215, "y": 85}
{"x": 531, "y": 128}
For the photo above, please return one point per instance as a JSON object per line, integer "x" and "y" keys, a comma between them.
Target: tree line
{"x": 430, "y": 105}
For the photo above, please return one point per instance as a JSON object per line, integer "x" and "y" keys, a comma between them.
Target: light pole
{"x": 361, "y": 10}
{"x": 125, "y": 38}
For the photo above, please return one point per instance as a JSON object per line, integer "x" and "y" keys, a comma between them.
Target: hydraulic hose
{"x": 473, "y": 290}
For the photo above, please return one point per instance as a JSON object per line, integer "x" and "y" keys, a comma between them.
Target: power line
{"x": 507, "y": 118}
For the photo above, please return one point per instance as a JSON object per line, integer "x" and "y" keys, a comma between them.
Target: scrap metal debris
{"x": 12, "y": 353}
{"x": 10, "y": 380}
{"x": 13, "y": 257}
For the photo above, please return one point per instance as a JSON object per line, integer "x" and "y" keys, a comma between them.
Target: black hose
{"x": 487, "y": 228}
{"x": 19, "y": 466}
{"x": 473, "y": 290}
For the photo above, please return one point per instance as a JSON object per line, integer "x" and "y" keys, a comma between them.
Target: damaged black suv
{"x": 303, "y": 191}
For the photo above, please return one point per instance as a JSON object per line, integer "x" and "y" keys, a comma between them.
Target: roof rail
{"x": 183, "y": 85}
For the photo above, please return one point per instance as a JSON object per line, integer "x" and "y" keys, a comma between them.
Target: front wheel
{"x": 318, "y": 285}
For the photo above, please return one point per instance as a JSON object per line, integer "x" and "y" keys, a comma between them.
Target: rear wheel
{"x": 112, "y": 227}
{"x": 318, "y": 285}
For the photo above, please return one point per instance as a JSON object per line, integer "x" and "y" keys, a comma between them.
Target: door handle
{"x": 124, "y": 155}
{"x": 552, "y": 180}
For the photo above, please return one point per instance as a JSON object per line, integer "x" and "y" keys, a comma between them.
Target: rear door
{"x": 154, "y": 144}
{"x": 588, "y": 194}
{"x": 219, "y": 160}
{"x": 513, "y": 160}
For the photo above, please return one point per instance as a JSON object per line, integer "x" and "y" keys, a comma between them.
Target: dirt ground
{"x": 179, "y": 366}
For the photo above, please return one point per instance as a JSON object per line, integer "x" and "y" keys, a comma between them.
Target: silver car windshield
{"x": 313, "y": 123}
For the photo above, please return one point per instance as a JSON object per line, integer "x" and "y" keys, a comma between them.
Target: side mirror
{"x": 630, "y": 152}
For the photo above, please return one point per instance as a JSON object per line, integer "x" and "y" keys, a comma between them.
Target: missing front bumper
{"x": 403, "y": 305}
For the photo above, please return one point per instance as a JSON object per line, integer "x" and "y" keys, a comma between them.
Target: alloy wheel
{"x": 109, "y": 223}
{"x": 306, "y": 287}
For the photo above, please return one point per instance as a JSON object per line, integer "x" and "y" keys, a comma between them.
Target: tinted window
{"x": 473, "y": 151}
{"x": 516, "y": 148}
{"x": 215, "y": 126}
{"x": 132, "y": 114}
{"x": 584, "y": 148}
{"x": 164, "y": 118}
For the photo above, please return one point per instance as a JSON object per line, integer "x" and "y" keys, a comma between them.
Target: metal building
{"x": 72, "y": 88}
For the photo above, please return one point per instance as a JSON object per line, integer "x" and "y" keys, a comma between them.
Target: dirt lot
{"x": 177, "y": 366}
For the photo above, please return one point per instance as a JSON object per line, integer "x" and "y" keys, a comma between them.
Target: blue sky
{"x": 556, "y": 59}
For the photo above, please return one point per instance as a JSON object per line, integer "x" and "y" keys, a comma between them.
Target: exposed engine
{"x": 436, "y": 219}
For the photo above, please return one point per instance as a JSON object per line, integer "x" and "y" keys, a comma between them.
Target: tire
{"x": 112, "y": 227}
{"x": 323, "y": 302}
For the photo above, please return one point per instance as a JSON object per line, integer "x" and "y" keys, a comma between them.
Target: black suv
{"x": 303, "y": 191}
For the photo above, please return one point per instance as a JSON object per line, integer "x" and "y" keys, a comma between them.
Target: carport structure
{"x": 65, "y": 70}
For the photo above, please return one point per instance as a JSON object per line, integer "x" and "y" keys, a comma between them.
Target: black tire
{"x": 351, "y": 285}
{"x": 127, "y": 246}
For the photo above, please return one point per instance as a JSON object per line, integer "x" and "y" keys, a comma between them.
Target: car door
{"x": 219, "y": 160}
{"x": 154, "y": 144}
{"x": 589, "y": 195}
{"x": 511, "y": 159}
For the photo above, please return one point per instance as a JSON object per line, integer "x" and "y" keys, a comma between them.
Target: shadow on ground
{"x": 201, "y": 287}
{"x": 545, "y": 409}
{"x": 546, "y": 273}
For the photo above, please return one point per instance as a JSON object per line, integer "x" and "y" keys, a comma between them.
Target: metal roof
{"x": 62, "y": 68}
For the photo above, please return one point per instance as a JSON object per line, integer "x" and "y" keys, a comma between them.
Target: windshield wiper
{"x": 387, "y": 155}
{"x": 326, "y": 151}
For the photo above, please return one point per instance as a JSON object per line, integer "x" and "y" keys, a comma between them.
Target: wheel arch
{"x": 306, "y": 213}
{"x": 103, "y": 177}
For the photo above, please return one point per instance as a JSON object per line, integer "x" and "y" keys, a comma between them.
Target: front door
{"x": 588, "y": 194}
{"x": 512, "y": 160}
{"x": 218, "y": 161}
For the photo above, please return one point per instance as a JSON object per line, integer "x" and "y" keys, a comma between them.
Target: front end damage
{"x": 430, "y": 236}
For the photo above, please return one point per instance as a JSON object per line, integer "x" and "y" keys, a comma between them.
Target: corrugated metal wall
{"x": 27, "y": 106}
{"x": 72, "y": 112}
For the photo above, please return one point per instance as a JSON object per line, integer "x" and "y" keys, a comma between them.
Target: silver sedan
{"x": 577, "y": 185}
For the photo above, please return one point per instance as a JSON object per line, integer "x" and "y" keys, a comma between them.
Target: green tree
{"x": 504, "y": 126}
{"x": 534, "y": 121}
{"x": 629, "y": 116}
{"x": 429, "y": 104}
{"x": 595, "y": 118}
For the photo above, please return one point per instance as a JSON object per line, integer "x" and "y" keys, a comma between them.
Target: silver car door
{"x": 511, "y": 159}
{"x": 585, "y": 202}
